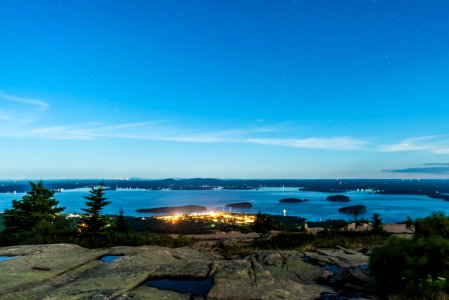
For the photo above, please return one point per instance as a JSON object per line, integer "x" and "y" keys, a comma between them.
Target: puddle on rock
{"x": 109, "y": 258}
{"x": 333, "y": 268}
{"x": 197, "y": 287}
{"x": 5, "y": 258}
{"x": 362, "y": 267}
{"x": 338, "y": 273}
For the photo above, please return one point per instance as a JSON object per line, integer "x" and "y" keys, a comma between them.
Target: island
{"x": 353, "y": 210}
{"x": 173, "y": 209}
{"x": 292, "y": 200}
{"x": 240, "y": 205}
{"x": 437, "y": 195}
{"x": 338, "y": 198}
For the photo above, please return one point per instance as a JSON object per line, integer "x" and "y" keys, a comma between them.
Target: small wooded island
{"x": 292, "y": 200}
{"x": 353, "y": 209}
{"x": 173, "y": 209}
{"x": 338, "y": 198}
{"x": 240, "y": 205}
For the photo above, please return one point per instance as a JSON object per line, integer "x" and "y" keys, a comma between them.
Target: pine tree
{"x": 121, "y": 225}
{"x": 263, "y": 223}
{"x": 93, "y": 224}
{"x": 38, "y": 205}
{"x": 377, "y": 223}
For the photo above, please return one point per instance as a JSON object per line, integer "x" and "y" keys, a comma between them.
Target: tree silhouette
{"x": 36, "y": 206}
{"x": 93, "y": 224}
{"x": 121, "y": 225}
{"x": 263, "y": 223}
{"x": 377, "y": 223}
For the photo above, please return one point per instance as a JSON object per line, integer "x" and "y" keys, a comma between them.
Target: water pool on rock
{"x": 5, "y": 258}
{"x": 198, "y": 287}
{"x": 109, "y": 258}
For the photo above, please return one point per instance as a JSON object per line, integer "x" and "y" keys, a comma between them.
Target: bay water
{"x": 392, "y": 208}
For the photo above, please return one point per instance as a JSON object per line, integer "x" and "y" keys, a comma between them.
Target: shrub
{"x": 415, "y": 268}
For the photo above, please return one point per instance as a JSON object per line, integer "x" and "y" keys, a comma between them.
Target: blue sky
{"x": 241, "y": 89}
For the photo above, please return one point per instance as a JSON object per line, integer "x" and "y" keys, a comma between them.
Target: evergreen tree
{"x": 121, "y": 224}
{"x": 93, "y": 224}
{"x": 263, "y": 223}
{"x": 38, "y": 205}
{"x": 377, "y": 223}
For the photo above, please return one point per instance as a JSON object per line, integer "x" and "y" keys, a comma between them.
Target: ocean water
{"x": 392, "y": 208}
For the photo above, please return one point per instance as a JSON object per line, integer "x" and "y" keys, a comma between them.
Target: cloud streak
{"x": 30, "y": 101}
{"x": 164, "y": 131}
{"x": 438, "y": 144}
{"x": 324, "y": 143}
{"x": 25, "y": 124}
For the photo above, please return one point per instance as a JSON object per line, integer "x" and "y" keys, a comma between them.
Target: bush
{"x": 377, "y": 224}
{"x": 263, "y": 223}
{"x": 435, "y": 225}
{"x": 37, "y": 205}
{"x": 44, "y": 232}
{"x": 414, "y": 268}
{"x": 324, "y": 239}
{"x": 136, "y": 239}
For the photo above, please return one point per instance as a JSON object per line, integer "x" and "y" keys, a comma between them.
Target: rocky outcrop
{"x": 71, "y": 272}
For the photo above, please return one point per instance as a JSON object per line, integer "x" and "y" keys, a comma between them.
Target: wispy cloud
{"x": 325, "y": 143}
{"x": 162, "y": 130}
{"x": 25, "y": 124}
{"x": 169, "y": 132}
{"x": 435, "y": 144}
{"x": 30, "y": 101}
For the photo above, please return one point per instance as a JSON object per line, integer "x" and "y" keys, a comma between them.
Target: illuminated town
{"x": 216, "y": 217}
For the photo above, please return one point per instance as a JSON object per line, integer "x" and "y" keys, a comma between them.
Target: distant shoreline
{"x": 383, "y": 186}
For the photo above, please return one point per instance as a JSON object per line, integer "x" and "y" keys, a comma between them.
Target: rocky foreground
{"x": 64, "y": 271}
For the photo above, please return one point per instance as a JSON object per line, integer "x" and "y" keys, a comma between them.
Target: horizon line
{"x": 210, "y": 178}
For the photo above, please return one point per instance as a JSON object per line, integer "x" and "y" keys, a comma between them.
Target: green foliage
{"x": 415, "y": 268}
{"x": 409, "y": 224}
{"x": 435, "y": 225}
{"x": 324, "y": 239}
{"x": 136, "y": 239}
{"x": 38, "y": 204}
{"x": 94, "y": 224}
{"x": 329, "y": 224}
{"x": 377, "y": 223}
{"x": 121, "y": 224}
{"x": 2, "y": 226}
{"x": 263, "y": 223}
{"x": 37, "y": 210}
{"x": 46, "y": 232}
